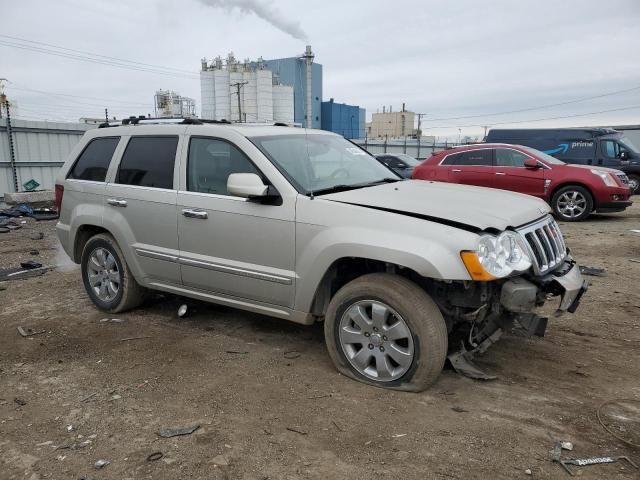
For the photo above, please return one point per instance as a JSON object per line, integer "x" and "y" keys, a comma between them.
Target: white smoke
{"x": 265, "y": 11}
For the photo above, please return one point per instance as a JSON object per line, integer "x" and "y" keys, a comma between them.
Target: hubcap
{"x": 572, "y": 204}
{"x": 103, "y": 274}
{"x": 376, "y": 340}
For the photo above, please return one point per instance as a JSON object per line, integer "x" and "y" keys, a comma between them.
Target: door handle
{"x": 201, "y": 214}
{"x": 116, "y": 202}
{"x": 500, "y": 173}
{"x": 455, "y": 170}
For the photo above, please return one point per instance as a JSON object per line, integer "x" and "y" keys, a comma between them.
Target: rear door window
{"x": 93, "y": 162}
{"x": 505, "y": 157}
{"x": 470, "y": 158}
{"x": 149, "y": 162}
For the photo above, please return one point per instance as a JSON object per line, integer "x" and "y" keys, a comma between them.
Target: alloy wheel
{"x": 376, "y": 340}
{"x": 572, "y": 204}
{"x": 103, "y": 274}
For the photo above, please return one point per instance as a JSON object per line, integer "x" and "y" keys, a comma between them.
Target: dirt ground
{"x": 269, "y": 403}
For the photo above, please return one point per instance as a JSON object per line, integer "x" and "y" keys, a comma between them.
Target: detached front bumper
{"x": 521, "y": 295}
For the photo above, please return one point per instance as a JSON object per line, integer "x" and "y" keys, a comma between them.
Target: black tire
{"x": 129, "y": 294}
{"x": 419, "y": 313}
{"x": 564, "y": 213}
{"x": 635, "y": 179}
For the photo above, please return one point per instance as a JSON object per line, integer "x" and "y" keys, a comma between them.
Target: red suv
{"x": 573, "y": 191}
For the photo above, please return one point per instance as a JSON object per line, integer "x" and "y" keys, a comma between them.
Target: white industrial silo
{"x": 264, "y": 95}
{"x": 221, "y": 88}
{"x": 207, "y": 94}
{"x": 283, "y": 103}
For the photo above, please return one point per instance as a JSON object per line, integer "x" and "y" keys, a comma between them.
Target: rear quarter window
{"x": 93, "y": 162}
{"x": 149, "y": 162}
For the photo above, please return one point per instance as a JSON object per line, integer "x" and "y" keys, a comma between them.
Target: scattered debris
{"x": 459, "y": 410}
{"x": 101, "y": 463}
{"x": 585, "y": 462}
{"x": 178, "y": 431}
{"x": 337, "y": 426}
{"x": 528, "y": 471}
{"x": 30, "y": 265}
{"x": 133, "y": 338}
{"x": 632, "y": 415}
{"x": 297, "y": 430}
{"x": 566, "y": 446}
{"x": 20, "y": 401}
{"x": 34, "y": 252}
{"x": 71, "y": 428}
{"x": 634, "y": 260}
{"x": 399, "y": 435}
{"x": 116, "y": 397}
{"x": 154, "y": 456}
{"x": 182, "y": 310}
{"x": 44, "y": 444}
{"x": 236, "y": 352}
{"x": 220, "y": 460}
{"x": 29, "y": 332}
{"x": 593, "y": 271}
{"x": 634, "y": 231}
{"x": 292, "y": 354}
{"x": 112, "y": 320}
{"x": 36, "y": 236}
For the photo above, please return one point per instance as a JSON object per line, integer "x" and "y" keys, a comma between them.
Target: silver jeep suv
{"x": 304, "y": 225}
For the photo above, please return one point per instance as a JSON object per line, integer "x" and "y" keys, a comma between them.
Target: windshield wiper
{"x": 344, "y": 187}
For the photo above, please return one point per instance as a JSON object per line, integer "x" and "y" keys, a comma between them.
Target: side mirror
{"x": 246, "y": 185}
{"x": 531, "y": 163}
{"x": 624, "y": 155}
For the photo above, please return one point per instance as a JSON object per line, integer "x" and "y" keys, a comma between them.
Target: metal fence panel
{"x": 40, "y": 149}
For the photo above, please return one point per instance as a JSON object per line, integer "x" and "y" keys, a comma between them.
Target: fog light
{"x": 616, "y": 198}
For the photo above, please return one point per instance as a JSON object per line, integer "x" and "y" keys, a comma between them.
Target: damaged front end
{"x": 477, "y": 313}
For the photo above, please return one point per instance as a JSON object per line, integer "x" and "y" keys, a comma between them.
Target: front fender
{"x": 434, "y": 255}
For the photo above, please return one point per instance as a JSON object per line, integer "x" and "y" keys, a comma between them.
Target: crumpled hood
{"x": 478, "y": 207}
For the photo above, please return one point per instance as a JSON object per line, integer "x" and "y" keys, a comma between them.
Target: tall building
{"x": 298, "y": 72}
{"x": 169, "y": 104}
{"x": 243, "y": 92}
{"x": 347, "y": 120}
{"x": 391, "y": 124}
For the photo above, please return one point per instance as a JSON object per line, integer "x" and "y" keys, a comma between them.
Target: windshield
{"x": 320, "y": 162}
{"x": 543, "y": 156}
{"x": 408, "y": 159}
{"x": 628, "y": 144}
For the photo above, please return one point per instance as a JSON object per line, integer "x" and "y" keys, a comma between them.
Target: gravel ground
{"x": 269, "y": 403}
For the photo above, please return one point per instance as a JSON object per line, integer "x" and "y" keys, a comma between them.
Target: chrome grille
{"x": 623, "y": 178}
{"x": 546, "y": 245}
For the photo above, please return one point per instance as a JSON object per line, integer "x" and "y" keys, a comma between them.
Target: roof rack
{"x": 142, "y": 120}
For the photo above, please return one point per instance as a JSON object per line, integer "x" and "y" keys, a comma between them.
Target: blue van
{"x": 587, "y": 146}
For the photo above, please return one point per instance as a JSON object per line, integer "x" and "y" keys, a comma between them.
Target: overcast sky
{"x": 446, "y": 58}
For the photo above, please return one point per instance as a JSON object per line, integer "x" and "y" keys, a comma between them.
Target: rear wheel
{"x": 106, "y": 276}
{"x": 572, "y": 203}
{"x": 384, "y": 330}
{"x": 634, "y": 183}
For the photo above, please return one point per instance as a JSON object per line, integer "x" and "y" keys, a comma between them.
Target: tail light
{"x": 59, "y": 194}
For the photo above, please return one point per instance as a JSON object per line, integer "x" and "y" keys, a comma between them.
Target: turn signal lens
{"x": 475, "y": 269}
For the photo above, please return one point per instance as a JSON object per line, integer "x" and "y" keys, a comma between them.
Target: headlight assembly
{"x": 497, "y": 257}
{"x": 606, "y": 177}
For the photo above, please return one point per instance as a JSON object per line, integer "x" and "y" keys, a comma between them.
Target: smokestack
{"x": 384, "y": 109}
{"x": 390, "y": 108}
{"x": 403, "y": 107}
{"x": 308, "y": 59}
{"x": 203, "y": 62}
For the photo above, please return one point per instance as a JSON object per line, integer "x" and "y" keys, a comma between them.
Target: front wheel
{"x": 572, "y": 203}
{"x": 385, "y": 330}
